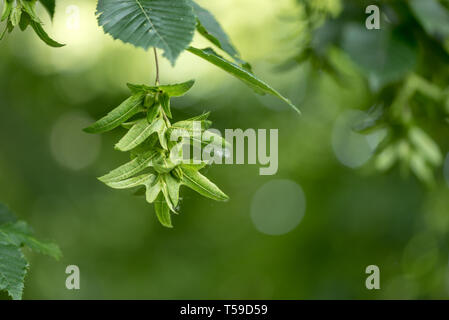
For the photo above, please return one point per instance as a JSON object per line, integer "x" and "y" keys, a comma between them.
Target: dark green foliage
{"x": 14, "y": 235}
{"x": 22, "y": 13}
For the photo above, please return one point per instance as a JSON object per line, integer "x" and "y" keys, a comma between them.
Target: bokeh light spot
{"x": 351, "y": 148}
{"x": 278, "y": 207}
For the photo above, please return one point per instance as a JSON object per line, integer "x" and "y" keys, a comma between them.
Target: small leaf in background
{"x": 421, "y": 169}
{"x": 196, "y": 181}
{"x": 426, "y": 146}
{"x": 386, "y": 159}
{"x": 240, "y": 73}
{"x": 116, "y": 117}
{"x": 385, "y": 54}
{"x": 165, "y": 24}
{"x": 433, "y": 17}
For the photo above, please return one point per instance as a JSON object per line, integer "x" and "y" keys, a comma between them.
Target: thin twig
{"x": 157, "y": 66}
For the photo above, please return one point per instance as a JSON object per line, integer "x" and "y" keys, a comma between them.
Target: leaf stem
{"x": 157, "y": 65}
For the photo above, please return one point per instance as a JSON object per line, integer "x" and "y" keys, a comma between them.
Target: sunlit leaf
{"x": 138, "y": 134}
{"x": 162, "y": 211}
{"x": 165, "y": 24}
{"x": 123, "y": 112}
{"x": 196, "y": 181}
{"x": 211, "y": 29}
{"x": 240, "y": 73}
{"x": 426, "y": 146}
{"x": 131, "y": 168}
{"x": 144, "y": 179}
{"x": 173, "y": 90}
{"x": 433, "y": 16}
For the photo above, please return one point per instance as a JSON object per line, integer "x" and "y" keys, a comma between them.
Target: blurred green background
{"x": 343, "y": 214}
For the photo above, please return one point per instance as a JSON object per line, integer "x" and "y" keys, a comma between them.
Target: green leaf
{"x": 165, "y": 192}
{"x": 386, "y": 159}
{"x": 2, "y": 34}
{"x": 209, "y": 28}
{"x": 195, "y": 166}
{"x": 50, "y": 6}
{"x": 16, "y": 14}
{"x": 178, "y": 89}
{"x": 385, "y": 55}
{"x": 421, "y": 169}
{"x": 149, "y": 144}
{"x": 123, "y": 112}
{"x": 165, "y": 103}
{"x": 173, "y": 90}
{"x": 152, "y": 113}
{"x": 190, "y": 126}
{"x": 139, "y": 133}
{"x": 152, "y": 191}
{"x": 161, "y": 130}
{"x": 144, "y": 179}
{"x": 426, "y": 146}
{"x": 433, "y": 16}
{"x": 29, "y": 9}
{"x": 201, "y": 117}
{"x": 247, "y": 77}
{"x": 173, "y": 186}
{"x": 13, "y": 268}
{"x": 165, "y": 24}
{"x": 19, "y": 234}
{"x": 212, "y": 138}
{"x": 131, "y": 168}
{"x": 162, "y": 211}
{"x": 196, "y": 181}
{"x": 37, "y": 27}
{"x": 163, "y": 164}
{"x": 25, "y": 21}
{"x": 6, "y": 11}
